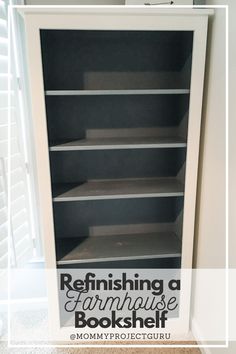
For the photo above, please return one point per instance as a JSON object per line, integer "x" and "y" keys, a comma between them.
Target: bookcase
{"x": 116, "y": 100}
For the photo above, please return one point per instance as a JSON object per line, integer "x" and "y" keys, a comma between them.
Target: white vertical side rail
{"x": 191, "y": 175}
{"x": 42, "y": 164}
{"x": 193, "y": 142}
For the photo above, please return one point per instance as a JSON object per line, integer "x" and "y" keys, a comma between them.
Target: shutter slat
{"x": 4, "y": 99}
{"x": 3, "y": 215}
{"x": 4, "y": 114}
{"x": 18, "y": 204}
{"x": 4, "y": 131}
{"x": 3, "y": 71}
{"x": 19, "y": 219}
{"x": 16, "y": 161}
{"x": 3, "y": 247}
{"x": 20, "y": 233}
{"x": 22, "y": 245}
{"x": 3, "y": 46}
{"x": 17, "y": 190}
{"x": 4, "y": 261}
{"x": 3, "y": 232}
{"x": 3, "y": 28}
{"x": 17, "y": 175}
{"x": 2, "y": 200}
{"x": 4, "y": 147}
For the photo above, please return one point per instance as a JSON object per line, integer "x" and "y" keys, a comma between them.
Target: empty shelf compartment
{"x": 118, "y": 247}
{"x": 93, "y": 218}
{"x": 117, "y": 189}
{"x": 125, "y": 60}
{"x": 71, "y": 118}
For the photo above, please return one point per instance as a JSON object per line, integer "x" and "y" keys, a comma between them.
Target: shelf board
{"x": 120, "y": 189}
{"x": 120, "y": 143}
{"x": 117, "y": 247}
{"x": 117, "y": 92}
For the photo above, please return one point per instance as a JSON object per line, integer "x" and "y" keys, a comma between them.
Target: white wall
{"x": 232, "y": 130}
{"x": 210, "y": 222}
{"x": 209, "y": 249}
{"x": 210, "y": 218}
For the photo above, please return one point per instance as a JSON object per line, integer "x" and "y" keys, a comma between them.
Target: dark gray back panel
{"x": 79, "y": 166}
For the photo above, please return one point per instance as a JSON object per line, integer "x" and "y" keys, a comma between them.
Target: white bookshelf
{"x": 116, "y": 109}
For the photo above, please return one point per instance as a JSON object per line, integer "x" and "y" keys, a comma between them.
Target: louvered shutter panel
{"x": 20, "y": 235}
{"x": 3, "y": 138}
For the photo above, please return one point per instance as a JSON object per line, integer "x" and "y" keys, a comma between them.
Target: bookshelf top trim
{"x": 118, "y": 9}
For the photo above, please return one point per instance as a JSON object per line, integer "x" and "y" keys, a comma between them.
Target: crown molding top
{"x": 118, "y": 9}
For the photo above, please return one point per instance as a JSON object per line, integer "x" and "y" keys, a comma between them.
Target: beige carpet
{"x": 5, "y": 350}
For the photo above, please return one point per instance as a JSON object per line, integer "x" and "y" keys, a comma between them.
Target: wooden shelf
{"x": 120, "y": 143}
{"x": 118, "y": 189}
{"x": 117, "y": 247}
{"x": 117, "y": 92}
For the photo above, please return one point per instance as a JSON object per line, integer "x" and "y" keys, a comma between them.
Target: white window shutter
{"x": 20, "y": 233}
